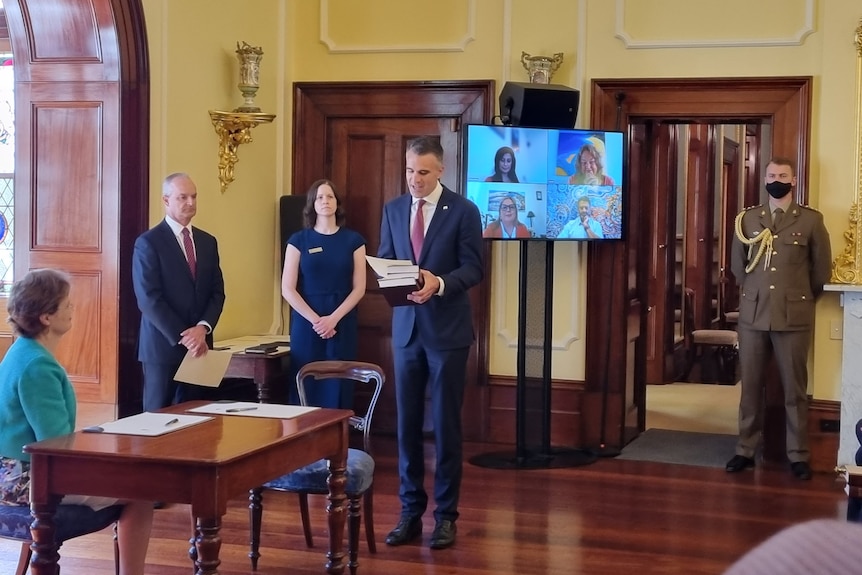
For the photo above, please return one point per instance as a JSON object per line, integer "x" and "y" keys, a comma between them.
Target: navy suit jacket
{"x": 170, "y": 300}
{"x": 452, "y": 250}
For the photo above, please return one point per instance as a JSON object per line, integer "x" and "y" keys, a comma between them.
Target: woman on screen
{"x": 323, "y": 280}
{"x": 506, "y": 225}
{"x": 504, "y": 166}
{"x": 590, "y": 166}
{"x": 37, "y": 401}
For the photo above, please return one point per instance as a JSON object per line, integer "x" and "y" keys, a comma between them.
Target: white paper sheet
{"x": 147, "y": 423}
{"x": 250, "y": 409}
{"x": 207, "y": 370}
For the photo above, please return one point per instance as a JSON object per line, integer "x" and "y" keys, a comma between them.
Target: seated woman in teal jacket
{"x": 37, "y": 402}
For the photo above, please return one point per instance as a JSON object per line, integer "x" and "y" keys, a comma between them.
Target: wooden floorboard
{"x": 610, "y": 517}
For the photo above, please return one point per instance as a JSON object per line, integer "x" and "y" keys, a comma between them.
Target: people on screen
{"x": 590, "y": 167}
{"x": 507, "y": 225}
{"x": 504, "y": 166}
{"x": 323, "y": 280}
{"x": 37, "y": 402}
{"x": 180, "y": 291}
{"x": 431, "y": 340}
{"x": 585, "y": 226}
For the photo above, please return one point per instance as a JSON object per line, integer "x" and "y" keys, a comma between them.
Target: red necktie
{"x": 417, "y": 234}
{"x": 190, "y": 251}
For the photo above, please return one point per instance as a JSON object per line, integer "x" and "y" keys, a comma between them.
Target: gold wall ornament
{"x": 846, "y": 267}
{"x": 541, "y": 68}
{"x": 234, "y": 128}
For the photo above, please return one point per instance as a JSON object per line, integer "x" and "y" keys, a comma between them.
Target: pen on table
{"x": 171, "y": 422}
{"x": 238, "y": 409}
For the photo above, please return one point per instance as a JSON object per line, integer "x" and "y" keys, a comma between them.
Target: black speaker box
{"x": 539, "y": 105}
{"x": 290, "y": 218}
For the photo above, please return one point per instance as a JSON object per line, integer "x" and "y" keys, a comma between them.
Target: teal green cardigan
{"x": 37, "y": 400}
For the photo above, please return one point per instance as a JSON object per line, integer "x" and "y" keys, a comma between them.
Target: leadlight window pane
{"x": 7, "y": 170}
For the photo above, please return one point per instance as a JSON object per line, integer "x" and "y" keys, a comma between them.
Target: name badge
{"x": 315, "y": 250}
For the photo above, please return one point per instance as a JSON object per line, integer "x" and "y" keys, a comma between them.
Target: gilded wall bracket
{"x": 234, "y": 128}
{"x": 847, "y": 267}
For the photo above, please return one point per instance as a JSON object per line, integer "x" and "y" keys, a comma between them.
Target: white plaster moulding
{"x": 457, "y": 46}
{"x": 801, "y": 34}
{"x": 510, "y": 336}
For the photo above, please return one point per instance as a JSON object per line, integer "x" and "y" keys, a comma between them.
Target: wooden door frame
{"x": 467, "y": 101}
{"x": 614, "y": 396}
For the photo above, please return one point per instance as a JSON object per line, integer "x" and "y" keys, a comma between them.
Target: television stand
{"x": 533, "y": 448}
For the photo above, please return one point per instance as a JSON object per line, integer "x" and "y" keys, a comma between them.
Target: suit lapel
{"x": 438, "y": 222}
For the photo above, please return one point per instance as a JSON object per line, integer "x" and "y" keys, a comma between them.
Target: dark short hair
{"x": 782, "y": 161}
{"x": 309, "y": 216}
{"x": 37, "y": 293}
{"x": 426, "y": 145}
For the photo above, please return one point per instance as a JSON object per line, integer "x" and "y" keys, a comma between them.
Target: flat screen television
{"x": 545, "y": 183}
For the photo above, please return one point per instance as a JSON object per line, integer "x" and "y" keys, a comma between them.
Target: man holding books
{"x": 440, "y": 231}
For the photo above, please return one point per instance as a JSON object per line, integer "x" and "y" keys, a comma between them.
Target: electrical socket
{"x": 836, "y": 329}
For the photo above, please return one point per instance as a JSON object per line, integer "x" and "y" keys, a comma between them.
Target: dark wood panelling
{"x": 82, "y": 152}
{"x": 565, "y": 411}
{"x": 616, "y": 283}
{"x": 67, "y": 197}
{"x": 824, "y": 418}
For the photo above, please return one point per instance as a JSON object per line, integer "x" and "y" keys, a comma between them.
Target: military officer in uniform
{"x": 781, "y": 258}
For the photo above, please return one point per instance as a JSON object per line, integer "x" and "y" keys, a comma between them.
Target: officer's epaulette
{"x": 751, "y": 208}
{"x": 807, "y": 207}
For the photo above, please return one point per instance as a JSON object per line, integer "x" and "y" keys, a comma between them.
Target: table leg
{"x": 255, "y": 516}
{"x": 45, "y": 556}
{"x": 336, "y": 513}
{"x": 208, "y": 545}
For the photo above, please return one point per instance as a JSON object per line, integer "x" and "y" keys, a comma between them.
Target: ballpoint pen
{"x": 238, "y": 409}
{"x": 171, "y": 422}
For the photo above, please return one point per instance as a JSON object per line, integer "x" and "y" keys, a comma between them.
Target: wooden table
{"x": 268, "y": 370}
{"x": 205, "y": 465}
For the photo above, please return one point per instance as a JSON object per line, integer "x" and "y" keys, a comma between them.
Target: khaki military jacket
{"x": 778, "y": 294}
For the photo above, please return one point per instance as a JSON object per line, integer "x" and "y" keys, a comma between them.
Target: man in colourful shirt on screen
{"x": 585, "y": 226}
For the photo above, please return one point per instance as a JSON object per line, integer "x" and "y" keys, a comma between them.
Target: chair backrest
{"x": 354, "y": 370}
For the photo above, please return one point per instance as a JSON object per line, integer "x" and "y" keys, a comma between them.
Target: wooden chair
{"x": 312, "y": 479}
{"x": 725, "y": 342}
{"x": 71, "y": 521}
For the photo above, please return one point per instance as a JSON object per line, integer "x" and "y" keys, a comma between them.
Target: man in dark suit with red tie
{"x": 180, "y": 291}
{"x": 431, "y": 338}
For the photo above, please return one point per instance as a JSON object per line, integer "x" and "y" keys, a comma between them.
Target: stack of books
{"x": 396, "y": 279}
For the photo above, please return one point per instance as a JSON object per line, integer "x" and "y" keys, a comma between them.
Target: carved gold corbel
{"x": 233, "y": 129}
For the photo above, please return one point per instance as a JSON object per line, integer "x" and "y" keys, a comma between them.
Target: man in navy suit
{"x": 180, "y": 292}
{"x": 431, "y": 336}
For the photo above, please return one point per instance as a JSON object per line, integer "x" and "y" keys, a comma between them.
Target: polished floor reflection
{"x": 611, "y": 517}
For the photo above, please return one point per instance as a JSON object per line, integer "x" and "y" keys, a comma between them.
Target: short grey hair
{"x": 167, "y": 184}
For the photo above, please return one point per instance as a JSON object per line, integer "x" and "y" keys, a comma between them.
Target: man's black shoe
{"x": 738, "y": 463}
{"x": 801, "y": 470}
{"x": 443, "y": 535}
{"x": 408, "y": 529}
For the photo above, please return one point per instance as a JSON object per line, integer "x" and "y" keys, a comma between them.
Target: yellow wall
{"x": 194, "y": 70}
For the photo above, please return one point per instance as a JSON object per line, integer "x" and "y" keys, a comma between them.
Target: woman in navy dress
{"x": 323, "y": 280}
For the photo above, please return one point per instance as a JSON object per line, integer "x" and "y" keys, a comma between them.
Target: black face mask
{"x": 778, "y": 189}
